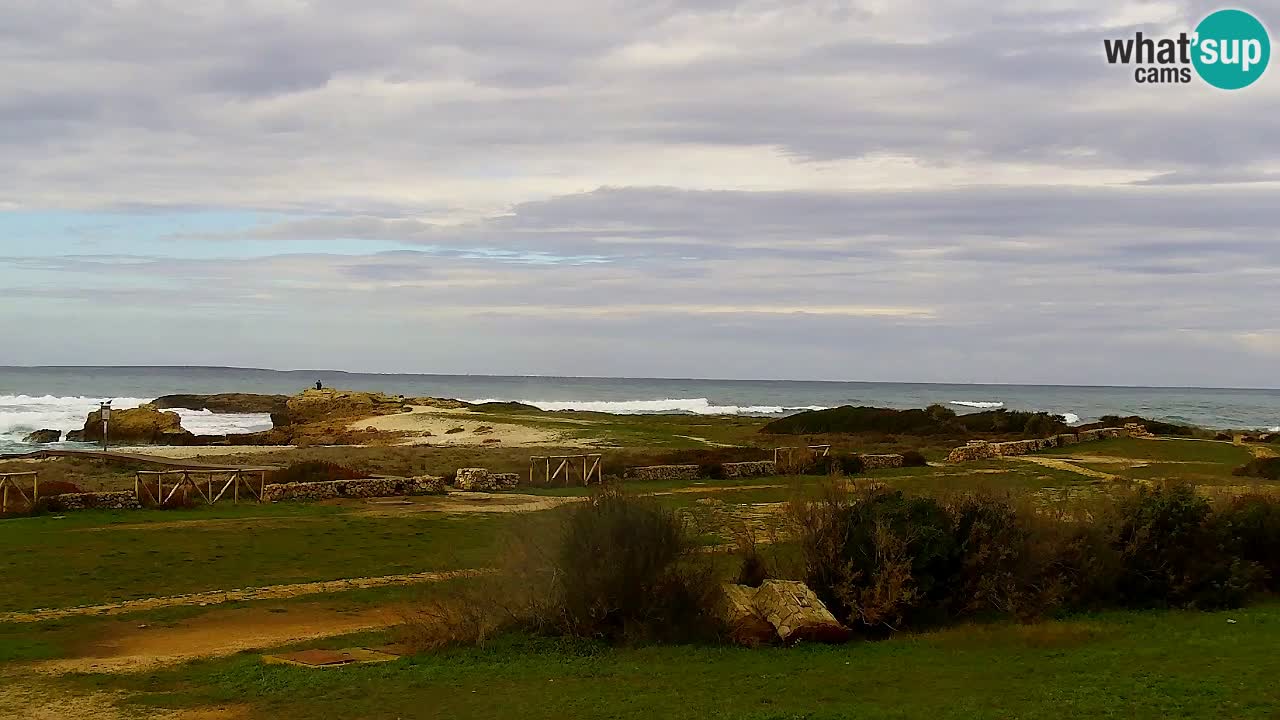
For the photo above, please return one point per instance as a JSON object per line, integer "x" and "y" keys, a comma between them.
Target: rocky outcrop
{"x": 326, "y": 405}
{"x": 225, "y": 402}
{"x": 364, "y": 488}
{"x": 43, "y": 436}
{"x": 145, "y": 424}
{"x": 483, "y": 480}
{"x": 663, "y": 472}
{"x": 983, "y": 450}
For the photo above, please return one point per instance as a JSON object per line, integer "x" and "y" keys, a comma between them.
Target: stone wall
{"x": 121, "y": 500}
{"x": 756, "y": 468}
{"x": 366, "y": 488}
{"x": 879, "y": 462}
{"x": 983, "y": 450}
{"x": 663, "y": 472}
{"x": 483, "y": 480}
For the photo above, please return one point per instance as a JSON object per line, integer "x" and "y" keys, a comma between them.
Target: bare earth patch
{"x": 215, "y": 634}
{"x": 476, "y": 429}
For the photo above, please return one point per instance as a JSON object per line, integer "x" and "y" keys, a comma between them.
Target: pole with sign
{"x": 105, "y": 410}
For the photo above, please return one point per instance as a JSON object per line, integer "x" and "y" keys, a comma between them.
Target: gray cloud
{"x": 950, "y": 191}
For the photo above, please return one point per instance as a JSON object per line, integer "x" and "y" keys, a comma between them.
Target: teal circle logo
{"x": 1232, "y": 49}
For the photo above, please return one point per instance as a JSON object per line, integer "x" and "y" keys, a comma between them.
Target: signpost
{"x": 105, "y": 410}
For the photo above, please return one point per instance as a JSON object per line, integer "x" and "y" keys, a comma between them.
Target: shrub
{"x": 625, "y": 570}
{"x": 714, "y": 471}
{"x": 913, "y": 458}
{"x": 1249, "y": 527}
{"x": 877, "y": 558}
{"x": 1157, "y": 427}
{"x": 1265, "y": 468}
{"x": 934, "y": 420}
{"x": 754, "y": 570}
{"x": 1171, "y": 555}
{"x": 314, "y": 471}
{"x": 58, "y": 487}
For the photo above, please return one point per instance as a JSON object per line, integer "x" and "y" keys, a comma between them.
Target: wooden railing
{"x": 7, "y": 483}
{"x": 819, "y": 450}
{"x": 203, "y": 484}
{"x": 568, "y": 466}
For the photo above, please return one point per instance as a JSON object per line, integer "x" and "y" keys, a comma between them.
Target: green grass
{"x": 106, "y": 557}
{"x": 1169, "y": 450}
{"x": 1117, "y": 665}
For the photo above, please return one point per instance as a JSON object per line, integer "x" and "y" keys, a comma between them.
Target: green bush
{"x": 314, "y": 471}
{"x": 934, "y": 420}
{"x": 1171, "y": 555}
{"x": 625, "y": 570}
{"x": 1249, "y": 527}
{"x": 913, "y": 458}
{"x": 1265, "y": 468}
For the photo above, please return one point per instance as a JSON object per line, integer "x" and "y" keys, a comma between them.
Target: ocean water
{"x": 59, "y": 398}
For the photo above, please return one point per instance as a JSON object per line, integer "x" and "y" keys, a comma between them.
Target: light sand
{"x": 184, "y": 452}
{"x": 438, "y": 422}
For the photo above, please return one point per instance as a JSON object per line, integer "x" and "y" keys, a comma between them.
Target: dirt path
{"x": 1058, "y": 464}
{"x": 217, "y": 597}
{"x": 222, "y": 632}
{"x": 19, "y": 701}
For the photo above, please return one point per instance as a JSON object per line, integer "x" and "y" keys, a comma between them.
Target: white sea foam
{"x": 1274, "y": 429}
{"x": 23, "y": 414}
{"x": 977, "y": 404}
{"x": 694, "y": 406}
{"x": 1071, "y": 418}
{"x": 204, "y": 422}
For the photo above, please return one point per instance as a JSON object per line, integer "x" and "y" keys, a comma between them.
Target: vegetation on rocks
{"x": 933, "y": 420}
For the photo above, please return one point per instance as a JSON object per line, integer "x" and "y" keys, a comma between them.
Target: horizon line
{"x": 619, "y": 377}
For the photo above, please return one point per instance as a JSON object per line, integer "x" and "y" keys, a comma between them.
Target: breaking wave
{"x": 23, "y": 414}
{"x": 980, "y": 405}
{"x": 692, "y": 406}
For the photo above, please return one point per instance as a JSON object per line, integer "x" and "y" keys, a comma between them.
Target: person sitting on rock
{"x": 319, "y": 385}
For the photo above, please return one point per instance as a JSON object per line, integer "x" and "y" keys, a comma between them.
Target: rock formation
{"x": 225, "y": 402}
{"x": 797, "y": 614}
{"x": 145, "y": 424}
{"x": 782, "y": 610}
{"x": 43, "y": 436}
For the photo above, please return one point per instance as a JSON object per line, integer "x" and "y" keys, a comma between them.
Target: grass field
{"x": 1121, "y": 664}
{"x": 1130, "y": 665}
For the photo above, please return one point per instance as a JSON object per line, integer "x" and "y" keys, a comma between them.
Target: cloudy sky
{"x": 952, "y": 190}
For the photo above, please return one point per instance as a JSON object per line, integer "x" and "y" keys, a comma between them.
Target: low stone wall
{"x": 483, "y": 480}
{"x": 663, "y": 472}
{"x": 983, "y": 450}
{"x": 880, "y": 462}
{"x": 755, "y": 468}
{"x": 120, "y": 500}
{"x": 368, "y": 487}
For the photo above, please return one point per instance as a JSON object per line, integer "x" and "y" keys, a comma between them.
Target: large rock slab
{"x": 744, "y": 624}
{"x": 225, "y": 402}
{"x": 797, "y": 614}
{"x": 43, "y": 436}
{"x": 145, "y": 424}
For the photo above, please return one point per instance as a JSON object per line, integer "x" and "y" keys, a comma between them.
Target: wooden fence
{"x": 567, "y": 467}
{"x": 7, "y": 484}
{"x": 203, "y": 484}
{"x": 819, "y": 450}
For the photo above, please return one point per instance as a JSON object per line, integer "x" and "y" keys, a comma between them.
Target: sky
{"x": 942, "y": 191}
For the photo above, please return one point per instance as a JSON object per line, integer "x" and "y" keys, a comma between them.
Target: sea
{"x": 59, "y": 398}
